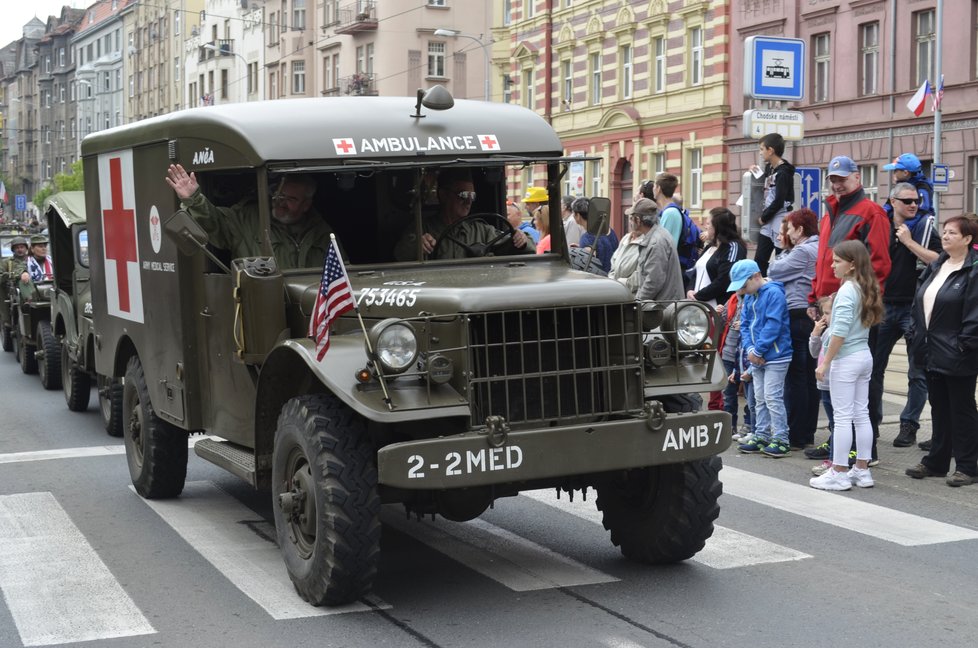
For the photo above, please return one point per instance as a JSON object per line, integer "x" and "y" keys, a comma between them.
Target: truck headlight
{"x": 394, "y": 344}
{"x": 690, "y": 323}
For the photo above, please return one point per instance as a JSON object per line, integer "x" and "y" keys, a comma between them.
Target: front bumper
{"x": 467, "y": 460}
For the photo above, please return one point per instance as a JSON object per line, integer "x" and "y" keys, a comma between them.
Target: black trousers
{"x": 762, "y": 255}
{"x": 801, "y": 389}
{"x": 955, "y": 420}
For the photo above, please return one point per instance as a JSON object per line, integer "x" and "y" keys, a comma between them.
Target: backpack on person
{"x": 690, "y": 243}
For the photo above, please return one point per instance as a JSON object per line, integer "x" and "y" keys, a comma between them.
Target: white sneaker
{"x": 831, "y": 480}
{"x": 860, "y": 477}
{"x": 820, "y": 468}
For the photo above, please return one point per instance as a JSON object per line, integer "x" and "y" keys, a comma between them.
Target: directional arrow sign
{"x": 811, "y": 186}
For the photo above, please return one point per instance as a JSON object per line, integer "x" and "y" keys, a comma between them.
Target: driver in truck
{"x": 456, "y": 194}
{"x": 299, "y": 235}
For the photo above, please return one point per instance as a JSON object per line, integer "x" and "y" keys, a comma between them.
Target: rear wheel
{"x": 156, "y": 451}
{"x": 110, "y": 404}
{"x": 77, "y": 384}
{"x": 49, "y": 366}
{"x": 25, "y": 355}
{"x": 326, "y": 506}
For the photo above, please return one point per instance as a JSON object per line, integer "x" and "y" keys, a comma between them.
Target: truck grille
{"x": 554, "y": 365}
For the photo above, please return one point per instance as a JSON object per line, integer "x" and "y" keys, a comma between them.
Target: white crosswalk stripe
{"x": 56, "y": 587}
{"x": 725, "y": 549}
{"x": 241, "y": 546}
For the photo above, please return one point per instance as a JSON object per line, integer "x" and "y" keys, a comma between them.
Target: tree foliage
{"x": 71, "y": 181}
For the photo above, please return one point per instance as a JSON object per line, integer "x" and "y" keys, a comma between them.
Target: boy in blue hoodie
{"x": 766, "y": 334}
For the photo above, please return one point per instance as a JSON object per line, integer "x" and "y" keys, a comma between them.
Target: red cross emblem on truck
{"x": 121, "y": 269}
{"x": 119, "y": 226}
{"x": 344, "y": 146}
{"x": 488, "y": 142}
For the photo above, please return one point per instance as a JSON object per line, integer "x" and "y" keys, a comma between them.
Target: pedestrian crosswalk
{"x": 57, "y": 589}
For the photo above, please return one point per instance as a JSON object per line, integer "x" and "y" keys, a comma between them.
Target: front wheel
{"x": 77, "y": 384}
{"x": 49, "y": 367}
{"x": 662, "y": 514}
{"x": 25, "y": 355}
{"x": 156, "y": 450}
{"x": 325, "y": 501}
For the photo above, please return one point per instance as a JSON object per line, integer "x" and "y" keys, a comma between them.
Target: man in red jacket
{"x": 850, "y": 215}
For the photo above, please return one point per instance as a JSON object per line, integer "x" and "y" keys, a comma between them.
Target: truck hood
{"x": 449, "y": 289}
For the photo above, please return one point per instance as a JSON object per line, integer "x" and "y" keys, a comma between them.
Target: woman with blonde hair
{"x": 541, "y": 221}
{"x": 858, "y": 307}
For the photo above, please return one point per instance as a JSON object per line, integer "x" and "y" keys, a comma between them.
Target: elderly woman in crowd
{"x": 795, "y": 268}
{"x": 945, "y": 345}
{"x": 624, "y": 262}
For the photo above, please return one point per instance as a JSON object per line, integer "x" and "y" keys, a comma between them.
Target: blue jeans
{"x": 731, "y": 402}
{"x": 895, "y": 324}
{"x": 771, "y": 421}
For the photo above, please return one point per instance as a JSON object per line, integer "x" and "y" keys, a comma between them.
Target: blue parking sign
{"x": 811, "y": 188}
{"x": 20, "y": 202}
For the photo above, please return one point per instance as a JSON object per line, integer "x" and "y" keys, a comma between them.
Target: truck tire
{"x": 155, "y": 450}
{"x": 49, "y": 368}
{"x": 25, "y": 354}
{"x": 110, "y": 404}
{"x": 77, "y": 384}
{"x": 8, "y": 339}
{"x": 662, "y": 514}
{"x": 325, "y": 501}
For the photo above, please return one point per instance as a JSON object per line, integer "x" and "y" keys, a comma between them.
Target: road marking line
{"x": 725, "y": 549}
{"x": 241, "y": 545}
{"x": 840, "y": 510}
{"x": 513, "y": 561}
{"x": 79, "y": 453}
{"x": 57, "y": 588}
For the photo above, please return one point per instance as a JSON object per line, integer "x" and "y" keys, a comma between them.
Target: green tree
{"x": 72, "y": 181}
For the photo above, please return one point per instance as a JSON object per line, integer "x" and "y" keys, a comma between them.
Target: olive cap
{"x": 38, "y": 239}
{"x": 17, "y": 240}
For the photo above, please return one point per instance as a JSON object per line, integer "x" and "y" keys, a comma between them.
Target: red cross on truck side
{"x": 119, "y": 231}
{"x": 489, "y": 142}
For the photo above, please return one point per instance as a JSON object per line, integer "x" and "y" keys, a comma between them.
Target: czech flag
{"x": 919, "y": 100}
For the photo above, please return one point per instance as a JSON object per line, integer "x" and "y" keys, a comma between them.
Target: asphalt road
{"x": 86, "y": 562}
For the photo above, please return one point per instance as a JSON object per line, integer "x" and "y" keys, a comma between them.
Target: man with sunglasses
{"x": 913, "y": 239}
{"x": 456, "y": 195}
{"x": 907, "y": 168}
{"x": 299, "y": 235}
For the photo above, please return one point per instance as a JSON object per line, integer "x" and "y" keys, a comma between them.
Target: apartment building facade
{"x": 643, "y": 86}
{"x": 224, "y": 57}
{"x": 866, "y": 59}
{"x": 21, "y": 168}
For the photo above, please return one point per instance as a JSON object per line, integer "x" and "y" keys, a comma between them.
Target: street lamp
{"x": 454, "y": 33}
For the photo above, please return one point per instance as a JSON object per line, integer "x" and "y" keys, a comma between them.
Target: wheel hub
{"x": 298, "y": 506}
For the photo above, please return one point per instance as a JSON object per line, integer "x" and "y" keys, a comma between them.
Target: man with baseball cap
{"x": 907, "y": 168}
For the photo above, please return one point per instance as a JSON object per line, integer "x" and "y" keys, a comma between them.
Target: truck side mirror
{"x": 189, "y": 236}
{"x": 599, "y": 216}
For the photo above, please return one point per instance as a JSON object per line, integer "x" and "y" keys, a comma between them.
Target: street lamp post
{"x": 454, "y": 33}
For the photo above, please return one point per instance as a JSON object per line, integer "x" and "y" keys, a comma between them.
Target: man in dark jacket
{"x": 907, "y": 168}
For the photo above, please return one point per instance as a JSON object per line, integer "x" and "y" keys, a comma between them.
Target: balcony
{"x": 358, "y": 17}
{"x": 214, "y": 49}
{"x": 359, "y": 85}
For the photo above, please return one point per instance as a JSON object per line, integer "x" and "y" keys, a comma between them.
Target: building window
{"x": 273, "y": 29}
{"x": 106, "y": 82}
{"x": 253, "y": 78}
{"x": 299, "y": 14}
{"x": 72, "y": 129}
{"x": 507, "y": 12}
{"x": 595, "y": 60}
{"x": 529, "y": 9}
{"x": 224, "y": 82}
{"x": 821, "y": 63}
{"x": 298, "y": 77}
{"x": 869, "y": 50}
{"x": 696, "y": 56}
{"x": 61, "y": 57}
{"x": 924, "y": 37}
{"x": 176, "y": 68}
{"x": 436, "y": 59}
{"x": 361, "y": 59}
{"x": 626, "y": 72}
{"x": 507, "y": 88}
{"x": 370, "y": 58}
{"x": 696, "y": 177}
{"x": 659, "y": 47}
{"x": 61, "y": 92}
{"x": 596, "y": 178}
{"x": 567, "y": 74}
{"x": 972, "y": 183}
{"x": 658, "y": 163}
{"x": 528, "y": 88}
{"x": 867, "y": 174}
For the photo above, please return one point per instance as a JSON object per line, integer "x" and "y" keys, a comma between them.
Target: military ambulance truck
{"x": 456, "y": 383}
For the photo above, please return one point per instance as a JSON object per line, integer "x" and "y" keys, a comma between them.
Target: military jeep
{"x": 455, "y": 383}
{"x": 70, "y": 362}
{"x": 31, "y": 334}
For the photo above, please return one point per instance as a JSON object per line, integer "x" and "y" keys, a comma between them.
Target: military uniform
{"x": 238, "y": 229}
{"x": 469, "y": 232}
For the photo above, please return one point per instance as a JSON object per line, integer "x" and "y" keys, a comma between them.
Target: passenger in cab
{"x": 456, "y": 194}
{"x": 299, "y": 235}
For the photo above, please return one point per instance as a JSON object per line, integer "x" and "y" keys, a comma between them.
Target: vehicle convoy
{"x": 68, "y": 359}
{"x": 467, "y": 380}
